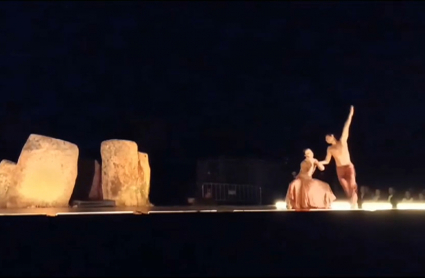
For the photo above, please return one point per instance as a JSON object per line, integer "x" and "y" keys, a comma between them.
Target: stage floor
{"x": 279, "y": 207}
{"x": 132, "y": 210}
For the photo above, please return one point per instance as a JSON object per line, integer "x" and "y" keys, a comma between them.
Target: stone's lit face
{"x": 53, "y": 164}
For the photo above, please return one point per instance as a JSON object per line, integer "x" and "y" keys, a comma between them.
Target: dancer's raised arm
{"x": 338, "y": 149}
{"x": 346, "y": 129}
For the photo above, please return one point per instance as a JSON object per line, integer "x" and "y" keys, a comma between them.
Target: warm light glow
{"x": 339, "y": 205}
{"x": 280, "y": 205}
{"x": 415, "y": 206}
{"x": 370, "y": 206}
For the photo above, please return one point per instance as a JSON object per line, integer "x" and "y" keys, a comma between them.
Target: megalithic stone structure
{"x": 45, "y": 173}
{"x": 120, "y": 173}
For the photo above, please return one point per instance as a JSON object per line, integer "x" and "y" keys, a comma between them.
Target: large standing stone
{"x": 96, "y": 193}
{"x": 7, "y": 180}
{"x": 120, "y": 175}
{"x": 144, "y": 177}
{"x": 45, "y": 173}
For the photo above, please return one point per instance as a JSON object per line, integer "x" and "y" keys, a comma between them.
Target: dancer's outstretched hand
{"x": 319, "y": 165}
{"x": 351, "y": 110}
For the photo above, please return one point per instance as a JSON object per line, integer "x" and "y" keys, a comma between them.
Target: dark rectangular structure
{"x": 252, "y": 176}
{"x": 237, "y": 194}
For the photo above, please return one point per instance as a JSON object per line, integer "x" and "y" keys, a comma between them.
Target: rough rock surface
{"x": 96, "y": 193}
{"x": 7, "y": 180}
{"x": 45, "y": 173}
{"x": 120, "y": 173}
{"x": 144, "y": 177}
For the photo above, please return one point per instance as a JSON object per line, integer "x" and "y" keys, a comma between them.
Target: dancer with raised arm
{"x": 346, "y": 173}
{"x": 308, "y": 193}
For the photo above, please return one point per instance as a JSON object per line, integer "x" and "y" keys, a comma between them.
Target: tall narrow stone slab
{"x": 144, "y": 177}
{"x": 120, "y": 175}
{"x": 7, "y": 180}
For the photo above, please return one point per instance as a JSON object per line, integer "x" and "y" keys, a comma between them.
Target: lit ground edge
{"x": 22, "y": 214}
{"x": 366, "y": 206}
{"x": 173, "y": 211}
{"x": 94, "y": 212}
{"x": 256, "y": 210}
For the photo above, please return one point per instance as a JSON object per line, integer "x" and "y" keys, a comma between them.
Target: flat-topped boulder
{"x": 7, "y": 180}
{"x": 45, "y": 173}
{"x": 120, "y": 172}
{"x": 144, "y": 177}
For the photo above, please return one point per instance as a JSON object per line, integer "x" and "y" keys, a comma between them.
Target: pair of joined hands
{"x": 317, "y": 163}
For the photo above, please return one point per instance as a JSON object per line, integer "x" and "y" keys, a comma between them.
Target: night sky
{"x": 189, "y": 80}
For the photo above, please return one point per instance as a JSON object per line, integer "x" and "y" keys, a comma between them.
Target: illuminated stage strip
{"x": 94, "y": 212}
{"x": 173, "y": 211}
{"x": 52, "y": 212}
{"x": 279, "y": 207}
{"x": 368, "y": 206}
{"x": 185, "y": 211}
{"x": 413, "y": 206}
{"x": 256, "y": 210}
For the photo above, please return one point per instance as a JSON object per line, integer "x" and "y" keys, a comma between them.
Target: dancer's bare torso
{"x": 340, "y": 153}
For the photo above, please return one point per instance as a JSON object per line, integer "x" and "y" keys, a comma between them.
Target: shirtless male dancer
{"x": 346, "y": 173}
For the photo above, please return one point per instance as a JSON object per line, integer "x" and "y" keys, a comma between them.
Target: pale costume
{"x": 307, "y": 193}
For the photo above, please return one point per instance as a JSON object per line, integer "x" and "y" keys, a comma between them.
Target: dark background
{"x": 189, "y": 80}
{"x": 264, "y": 244}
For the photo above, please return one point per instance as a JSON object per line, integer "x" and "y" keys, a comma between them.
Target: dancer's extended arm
{"x": 319, "y": 165}
{"x": 346, "y": 129}
{"x": 327, "y": 159}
